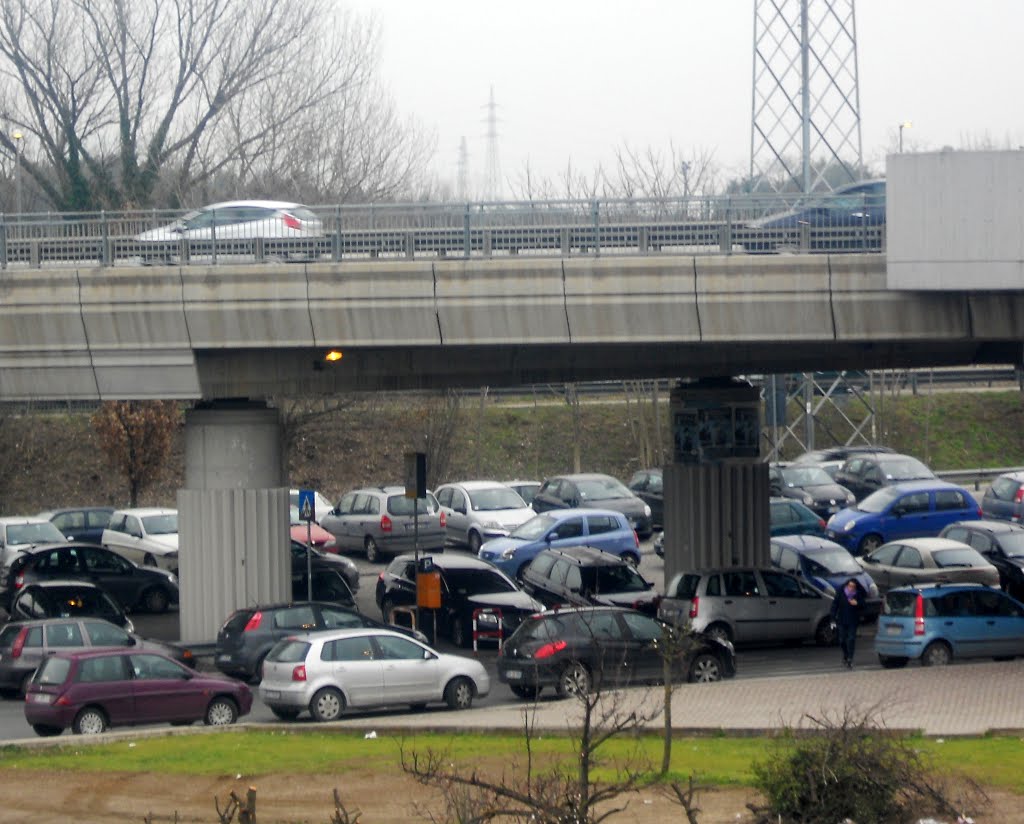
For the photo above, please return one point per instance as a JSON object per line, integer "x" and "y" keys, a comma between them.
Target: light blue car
{"x": 599, "y": 528}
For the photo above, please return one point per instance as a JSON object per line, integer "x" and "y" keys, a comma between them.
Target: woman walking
{"x": 846, "y": 609}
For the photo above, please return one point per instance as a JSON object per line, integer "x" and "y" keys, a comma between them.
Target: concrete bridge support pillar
{"x": 232, "y": 515}
{"x": 716, "y": 490}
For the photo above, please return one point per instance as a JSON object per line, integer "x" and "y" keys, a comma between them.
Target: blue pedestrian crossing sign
{"x": 307, "y": 507}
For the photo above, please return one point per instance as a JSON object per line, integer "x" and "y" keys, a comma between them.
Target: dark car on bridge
{"x": 846, "y": 219}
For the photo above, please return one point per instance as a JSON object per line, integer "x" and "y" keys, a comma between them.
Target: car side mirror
{"x": 130, "y": 642}
{"x": 898, "y": 511}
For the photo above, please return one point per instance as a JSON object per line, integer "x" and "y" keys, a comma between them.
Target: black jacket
{"x": 844, "y": 613}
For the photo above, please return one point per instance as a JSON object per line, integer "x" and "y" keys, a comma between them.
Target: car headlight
{"x": 808, "y": 499}
{"x": 647, "y": 510}
{"x": 491, "y": 525}
{"x": 487, "y": 618}
{"x": 849, "y": 526}
{"x": 171, "y": 576}
{"x": 508, "y": 553}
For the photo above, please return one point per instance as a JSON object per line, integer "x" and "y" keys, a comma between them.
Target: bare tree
{"x": 440, "y": 417}
{"x": 136, "y": 437}
{"x": 120, "y": 97}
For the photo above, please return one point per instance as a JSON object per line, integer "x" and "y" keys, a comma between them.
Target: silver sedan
{"x": 327, "y": 672}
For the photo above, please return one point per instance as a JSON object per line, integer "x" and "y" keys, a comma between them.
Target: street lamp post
{"x": 18, "y": 142}
{"x": 906, "y": 124}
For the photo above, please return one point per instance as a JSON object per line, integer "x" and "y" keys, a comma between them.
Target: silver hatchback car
{"x": 326, "y": 672}
{"x": 749, "y": 604}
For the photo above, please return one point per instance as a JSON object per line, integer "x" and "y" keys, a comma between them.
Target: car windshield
{"x": 806, "y": 476}
{"x": 534, "y": 528}
{"x": 40, "y": 533}
{"x": 161, "y": 524}
{"x": 400, "y": 505}
{"x": 905, "y": 469}
{"x": 477, "y": 581}
{"x": 54, "y": 671}
{"x": 607, "y": 579}
{"x": 489, "y": 500}
{"x": 832, "y": 562}
{"x": 879, "y": 501}
{"x": 965, "y": 557}
{"x": 1013, "y": 545}
{"x": 602, "y": 489}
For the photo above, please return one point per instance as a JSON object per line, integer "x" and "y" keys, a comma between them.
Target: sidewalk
{"x": 956, "y": 700}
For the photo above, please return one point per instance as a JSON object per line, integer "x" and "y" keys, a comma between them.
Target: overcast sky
{"x": 574, "y": 79}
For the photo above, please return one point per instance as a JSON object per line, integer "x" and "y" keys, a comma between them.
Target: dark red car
{"x": 92, "y": 691}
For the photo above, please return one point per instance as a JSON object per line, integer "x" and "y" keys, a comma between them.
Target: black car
{"x": 84, "y": 523}
{"x": 839, "y": 453}
{"x": 584, "y": 576}
{"x": 64, "y": 598}
{"x": 137, "y": 588}
{"x": 868, "y": 472}
{"x": 647, "y": 485}
{"x": 594, "y": 490}
{"x": 24, "y": 644}
{"x": 325, "y": 560}
{"x": 468, "y": 586}
{"x": 1002, "y": 545}
{"x": 810, "y": 485}
{"x": 574, "y": 649}
{"x": 248, "y": 634}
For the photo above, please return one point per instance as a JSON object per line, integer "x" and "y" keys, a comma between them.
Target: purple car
{"x": 94, "y": 690}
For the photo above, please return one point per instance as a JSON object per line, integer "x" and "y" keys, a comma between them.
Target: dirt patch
{"x": 382, "y": 798}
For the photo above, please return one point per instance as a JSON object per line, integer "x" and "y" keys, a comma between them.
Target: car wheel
{"x": 869, "y": 543}
{"x": 825, "y": 634}
{"x": 936, "y": 654}
{"x": 718, "y": 631}
{"x": 529, "y": 693}
{"x": 285, "y": 713}
{"x": 257, "y": 673}
{"x": 892, "y": 661}
{"x": 459, "y": 694}
{"x": 221, "y": 712}
{"x": 706, "y": 668}
{"x": 149, "y": 560}
{"x": 573, "y": 680}
{"x": 372, "y": 550}
{"x": 327, "y": 705}
{"x": 156, "y": 600}
{"x": 460, "y": 637}
{"x": 90, "y": 721}
{"x": 46, "y": 731}
{"x": 631, "y": 558}
{"x": 474, "y": 542}
{"x": 23, "y": 688}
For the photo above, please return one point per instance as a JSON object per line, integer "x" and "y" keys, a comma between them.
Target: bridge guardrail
{"x": 695, "y": 225}
{"x": 976, "y": 476}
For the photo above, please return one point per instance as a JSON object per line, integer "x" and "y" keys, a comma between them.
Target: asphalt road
{"x": 752, "y": 662}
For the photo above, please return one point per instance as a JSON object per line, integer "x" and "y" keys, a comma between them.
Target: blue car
{"x": 825, "y": 564}
{"x": 916, "y": 509}
{"x": 936, "y": 623}
{"x": 599, "y": 528}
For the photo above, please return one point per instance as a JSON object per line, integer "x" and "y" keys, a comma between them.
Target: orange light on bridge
{"x": 333, "y": 355}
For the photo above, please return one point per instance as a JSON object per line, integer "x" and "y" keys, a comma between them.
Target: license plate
{"x": 41, "y": 698}
{"x": 271, "y": 694}
{"x": 223, "y": 658}
{"x": 513, "y": 675}
{"x": 892, "y": 629}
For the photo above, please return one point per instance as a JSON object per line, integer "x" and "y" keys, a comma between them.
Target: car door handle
{"x": 772, "y": 601}
{"x": 948, "y": 623}
{"x": 991, "y": 623}
{"x": 728, "y": 601}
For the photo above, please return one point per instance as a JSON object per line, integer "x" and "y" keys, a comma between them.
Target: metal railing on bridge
{"x": 749, "y": 224}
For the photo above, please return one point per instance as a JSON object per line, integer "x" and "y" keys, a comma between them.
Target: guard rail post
{"x": 467, "y": 246}
{"x": 213, "y": 235}
{"x": 3, "y": 241}
{"x": 336, "y": 240}
{"x": 595, "y": 211}
{"x": 104, "y": 239}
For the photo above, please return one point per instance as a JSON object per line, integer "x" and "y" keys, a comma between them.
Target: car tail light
{"x": 385, "y": 524}
{"x": 548, "y": 650}
{"x": 380, "y": 577}
{"x": 919, "y": 615}
{"x": 980, "y": 513}
{"x": 694, "y": 606}
{"x": 299, "y": 673}
{"x": 821, "y": 523}
{"x": 19, "y": 643}
{"x": 636, "y": 539}
{"x": 19, "y": 580}
{"x": 254, "y": 622}
{"x": 1019, "y": 497}
{"x": 63, "y": 701}
{"x": 444, "y": 519}
{"x": 291, "y": 221}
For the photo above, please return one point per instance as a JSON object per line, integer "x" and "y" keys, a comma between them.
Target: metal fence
{"x": 753, "y": 224}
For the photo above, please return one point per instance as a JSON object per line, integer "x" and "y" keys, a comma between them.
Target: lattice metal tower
{"x": 805, "y": 126}
{"x": 492, "y": 185}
